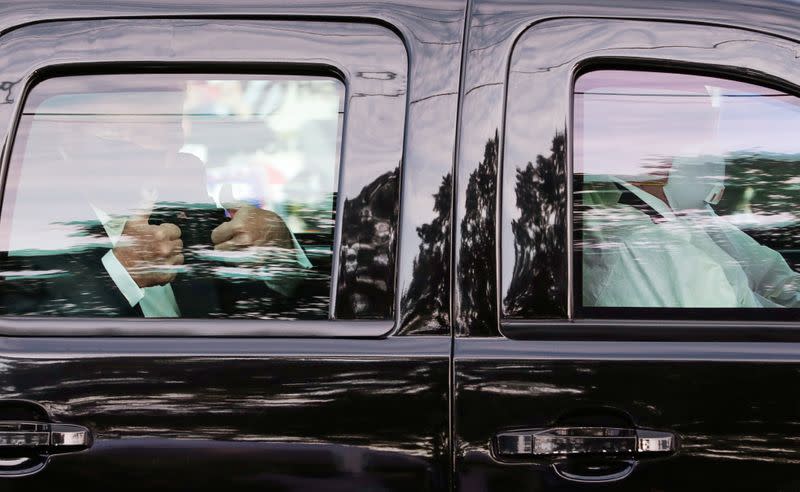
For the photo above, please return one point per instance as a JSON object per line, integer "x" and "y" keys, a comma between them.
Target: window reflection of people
{"x": 153, "y": 206}
{"x": 660, "y": 244}
{"x": 149, "y": 254}
{"x": 654, "y": 240}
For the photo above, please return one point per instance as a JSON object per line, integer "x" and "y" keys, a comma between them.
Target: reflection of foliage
{"x": 476, "y": 262}
{"x": 538, "y": 283}
{"x": 71, "y": 281}
{"x": 426, "y": 300}
{"x": 767, "y": 187}
{"x": 772, "y": 179}
{"x": 315, "y": 217}
{"x": 367, "y": 256}
{"x": 762, "y": 184}
{"x": 344, "y": 423}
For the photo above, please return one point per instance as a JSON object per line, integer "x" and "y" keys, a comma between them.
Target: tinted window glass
{"x": 687, "y": 192}
{"x": 173, "y": 195}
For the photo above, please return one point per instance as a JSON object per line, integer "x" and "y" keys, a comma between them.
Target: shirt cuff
{"x": 122, "y": 279}
{"x": 302, "y": 259}
{"x": 287, "y": 285}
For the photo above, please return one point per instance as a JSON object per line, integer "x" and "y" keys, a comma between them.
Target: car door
{"x": 325, "y": 370}
{"x": 611, "y": 330}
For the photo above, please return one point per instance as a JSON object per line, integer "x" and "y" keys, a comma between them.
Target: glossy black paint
{"x": 653, "y": 330}
{"x": 372, "y": 142}
{"x": 536, "y": 224}
{"x": 271, "y": 413}
{"x": 432, "y": 32}
{"x": 210, "y": 413}
{"x": 494, "y": 28}
{"x": 719, "y": 385}
{"x": 306, "y": 414}
{"x": 727, "y": 403}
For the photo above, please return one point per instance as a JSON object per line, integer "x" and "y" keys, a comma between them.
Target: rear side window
{"x": 686, "y": 192}
{"x": 173, "y": 195}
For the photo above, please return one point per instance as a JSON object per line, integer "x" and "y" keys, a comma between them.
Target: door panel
{"x": 285, "y": 414}
{"x": 727, "y": 404}
{"x": 534, "y": 365}
{"x": 311, "y": 412}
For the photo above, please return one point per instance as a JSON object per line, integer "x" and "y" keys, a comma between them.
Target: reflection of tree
{"x": 70, "y": 280}
{"x": 538, "y": 282}
{"x": 425, "y": 303}
{"x": 765, "y": 187}
{"x": 367, "y": 256}
{"x": 763, "y": 184}
{"x": 476, "y": 263}
{"x": 324, "y": 414}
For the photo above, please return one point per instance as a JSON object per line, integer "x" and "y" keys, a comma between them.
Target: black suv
{"x": 400, "y": 245}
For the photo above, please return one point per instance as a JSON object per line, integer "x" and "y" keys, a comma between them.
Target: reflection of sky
{"x": 628, "y": 123}
{"x": 106, "y": 140}
{"x": 272, "y": 142}
{"x": 762, "y": 124}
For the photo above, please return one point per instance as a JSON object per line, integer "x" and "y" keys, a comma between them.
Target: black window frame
{"x": 374, "y": 75}
{"x": 597, "y": 44}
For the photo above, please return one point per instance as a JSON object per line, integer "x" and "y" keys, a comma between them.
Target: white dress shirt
{"x": 697, "y": 260}
{"x": 159, "y": 301}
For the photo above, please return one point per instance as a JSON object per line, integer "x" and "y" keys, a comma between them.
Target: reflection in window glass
{"x": 170, "y": 195}
{"x": 687, "y": 192}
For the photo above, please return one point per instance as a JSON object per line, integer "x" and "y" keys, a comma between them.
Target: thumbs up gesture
{"x": 150, "y": 253}
{"x": 249, "y": 226}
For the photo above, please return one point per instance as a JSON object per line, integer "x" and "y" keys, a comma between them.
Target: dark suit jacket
{"x": 79, "y": 285}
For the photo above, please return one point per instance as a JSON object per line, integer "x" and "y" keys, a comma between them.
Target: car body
{"x": 425, "y": 365}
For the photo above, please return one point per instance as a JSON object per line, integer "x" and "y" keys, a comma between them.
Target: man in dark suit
{"x": 170, "y": 256}
{"x": 153, "y": 243}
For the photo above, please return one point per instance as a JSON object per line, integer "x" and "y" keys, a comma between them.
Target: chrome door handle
{"x": 26, "y": 446}
{"x": 585, "y": 454}
{"x": 53, "y": 437}
{"x": 565, "y": 441}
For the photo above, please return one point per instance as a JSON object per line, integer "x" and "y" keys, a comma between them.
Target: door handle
{"x": 26, "y": 446}
{"x": 560, "y": 441}
{"x": 51, "y": 436}
{"x": 585, "y": 454}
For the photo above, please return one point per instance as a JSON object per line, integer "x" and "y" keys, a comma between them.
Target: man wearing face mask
{"x": 658, "y": 243}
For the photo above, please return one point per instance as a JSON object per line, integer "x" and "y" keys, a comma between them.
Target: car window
{"x": 173, "y": 195}
{"x": 686, "y": 192}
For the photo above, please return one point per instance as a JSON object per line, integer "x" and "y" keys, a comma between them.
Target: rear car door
{"x": 637, "y": 329}
{"x": 294, "y": 365}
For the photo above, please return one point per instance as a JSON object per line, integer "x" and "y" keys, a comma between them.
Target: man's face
{"x": 124, "y": 141}
{"x": 699, "y": 123}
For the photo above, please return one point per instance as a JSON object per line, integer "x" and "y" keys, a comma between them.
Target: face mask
{"x": 695, "y": 182}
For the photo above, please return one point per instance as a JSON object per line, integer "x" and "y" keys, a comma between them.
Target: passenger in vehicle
{"x": 152, "y": 204}
{"x": 659, "y": 243}
{"x": 148, "y": 253}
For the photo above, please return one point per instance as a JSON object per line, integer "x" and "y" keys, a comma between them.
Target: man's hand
{"x": 148, "y": 252}
{"x": 249, "y": 227}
